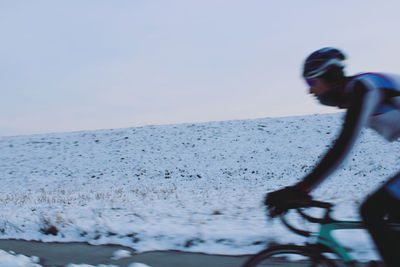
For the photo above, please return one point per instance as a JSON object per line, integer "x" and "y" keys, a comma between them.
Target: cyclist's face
{"x": 318, "y": 87}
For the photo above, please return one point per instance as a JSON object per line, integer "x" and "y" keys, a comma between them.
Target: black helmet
{"x": 320, "y": 61}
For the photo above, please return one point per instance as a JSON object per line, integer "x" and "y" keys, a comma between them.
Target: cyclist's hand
{"x": 280, "y": 201}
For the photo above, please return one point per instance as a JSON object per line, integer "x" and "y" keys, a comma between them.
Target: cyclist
{"x": 373, "y": 100}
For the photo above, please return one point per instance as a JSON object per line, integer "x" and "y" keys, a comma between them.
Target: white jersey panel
{"x": 386, "y": 117}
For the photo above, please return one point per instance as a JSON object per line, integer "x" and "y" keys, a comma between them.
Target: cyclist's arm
{"x": 363, "y": 101}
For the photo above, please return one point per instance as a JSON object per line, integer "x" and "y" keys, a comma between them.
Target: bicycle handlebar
{"x": 309, "y": 204}
{"x": 318, "y": 204}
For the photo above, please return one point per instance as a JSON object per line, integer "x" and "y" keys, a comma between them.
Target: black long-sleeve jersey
{"x": 373, "y": 101}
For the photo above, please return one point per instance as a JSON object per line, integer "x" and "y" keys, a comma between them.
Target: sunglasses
{"x": 310, "y": 82}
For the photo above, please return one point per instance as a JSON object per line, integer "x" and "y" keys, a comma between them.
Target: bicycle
{"x": 315, "y": 253}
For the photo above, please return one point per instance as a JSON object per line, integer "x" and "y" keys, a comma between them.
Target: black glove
{"x": 280, "y": 201}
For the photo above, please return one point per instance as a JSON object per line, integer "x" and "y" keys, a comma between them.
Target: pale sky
{"x": 71, "y": 65}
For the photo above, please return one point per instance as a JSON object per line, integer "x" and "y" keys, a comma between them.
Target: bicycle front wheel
{"x": 289, "y": 256}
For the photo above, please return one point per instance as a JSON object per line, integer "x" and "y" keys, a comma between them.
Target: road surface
{"x": 61, "y": 254}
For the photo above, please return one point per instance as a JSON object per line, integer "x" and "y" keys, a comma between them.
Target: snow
{"x": 136, "y": 264}
{"x": 88, "y": 265}
{"x": 188, "y": 187}
{"x": 17, "y": 260}
{"x": 120, "y": 254}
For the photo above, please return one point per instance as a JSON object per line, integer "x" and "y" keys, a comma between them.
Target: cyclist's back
{"x": 385, "y": 118}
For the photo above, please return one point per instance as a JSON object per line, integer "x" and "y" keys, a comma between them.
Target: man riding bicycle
{"x": 373, "y": 100}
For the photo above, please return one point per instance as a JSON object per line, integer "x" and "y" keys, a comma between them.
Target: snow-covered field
{"x": 190, "y": 187}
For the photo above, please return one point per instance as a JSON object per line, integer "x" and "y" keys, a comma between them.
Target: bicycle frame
{"x": 325, "y": 237}
{"x": 324, "y": 241}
